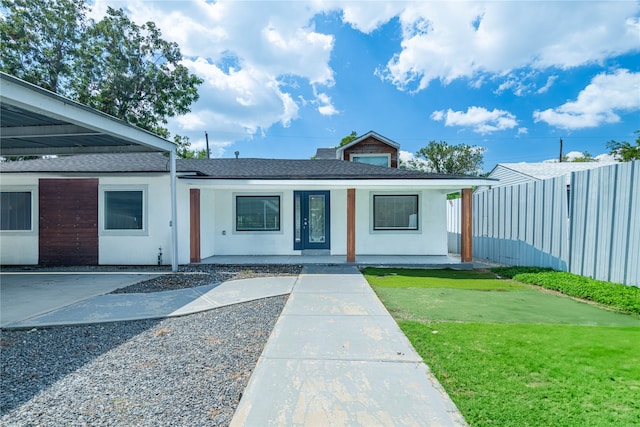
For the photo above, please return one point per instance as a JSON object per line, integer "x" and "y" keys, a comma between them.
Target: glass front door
{"x": 311, "y": 220}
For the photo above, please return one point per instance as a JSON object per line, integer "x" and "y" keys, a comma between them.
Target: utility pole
{"x": 206, "y": 137}
{"x": 560, "y": 158}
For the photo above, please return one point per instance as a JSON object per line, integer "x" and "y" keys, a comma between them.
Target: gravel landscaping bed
{"x": 204, "y": 274}
{"x": 187, "y": 370}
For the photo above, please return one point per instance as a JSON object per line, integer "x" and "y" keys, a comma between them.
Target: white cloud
{"x": 598, "y": 103}
{"x": 244, "y": 52}
{"x": 262, "y": 60}
{"x": 368, "y": 16}
{"x": 479, "y": 119}
{"x": 409, "y": 159}
{"x": 451, "y": 40}
{"x": 550, "y": 81}
{"x": 572, "y": 155}
{"x": 325, "y": 107}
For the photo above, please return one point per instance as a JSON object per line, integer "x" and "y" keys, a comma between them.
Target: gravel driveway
{"x": 187, "y": 370}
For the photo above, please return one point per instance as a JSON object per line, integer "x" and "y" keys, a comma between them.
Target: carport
{"x": 35, "y": 121}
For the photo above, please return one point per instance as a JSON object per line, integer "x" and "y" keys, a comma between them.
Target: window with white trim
{"x": 258, "y": 213}
{"x": 372, "y": 159}
{"x": 124, "y": 210}
{"x": 15, "y": 211}
{"x": 395, "y": 212}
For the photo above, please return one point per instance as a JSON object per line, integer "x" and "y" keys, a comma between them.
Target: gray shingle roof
{"x": 244, "y": 168}
{"x": 325, "y": 154}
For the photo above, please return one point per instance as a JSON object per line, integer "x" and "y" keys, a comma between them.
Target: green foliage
{"x": 349, "y": 138}
{"x": 185, "y": 151}
{"x": 625, "y": 151}
{"x": 440, "y": 157}
{"x": 130, "y": 72}
{"x": 586, "y": 157}
{"x": 511, "y": 271}
{"x": 40, "y": 38}
{"x": 115, "y": 65}
{"x": 621, "y": 297}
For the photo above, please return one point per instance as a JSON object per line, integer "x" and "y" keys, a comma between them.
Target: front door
{"x": 311, "y": 220}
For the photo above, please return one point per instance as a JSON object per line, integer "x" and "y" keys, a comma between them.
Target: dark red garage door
{"x": 68, "y": 221}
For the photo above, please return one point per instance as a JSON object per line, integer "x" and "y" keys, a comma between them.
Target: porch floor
{"x": 419, "y": 261}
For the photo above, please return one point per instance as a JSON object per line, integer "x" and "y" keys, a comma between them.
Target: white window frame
{"x": 373, "y": 230}
{"x": 102, "y": 189}
{"x": 257, "y": 232}
{"x": 387, "y": 155}
{"x": 33, "y": 189}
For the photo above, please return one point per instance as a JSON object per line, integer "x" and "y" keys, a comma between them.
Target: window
{"x": 395, "y": 212}
{"x": 257, "y": 213}
{"x": 372, "y": 159}
{"x": 123, "y": 210}
{"x": 15, "y": 211}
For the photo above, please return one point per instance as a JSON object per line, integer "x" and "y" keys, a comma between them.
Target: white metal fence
{"x": 591, "y": 227}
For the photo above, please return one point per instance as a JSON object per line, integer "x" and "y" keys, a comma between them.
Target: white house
{"x": 115, "y": 209}
{"x": 130, "y": 204}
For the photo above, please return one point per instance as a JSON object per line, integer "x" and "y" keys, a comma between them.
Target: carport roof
{"x": 35, "y": 121}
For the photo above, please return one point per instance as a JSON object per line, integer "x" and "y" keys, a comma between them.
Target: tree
{"x": 440, "y": 157}
{"x": 114, "y": 65}
{"x": 185, "y": 151}
{"x": 130, "y": 72}
{"x": 347, "y": 139}
{"x": 624, "y": 151}
{"x": 586, "y": 157}
{"x": 40, "y": 38}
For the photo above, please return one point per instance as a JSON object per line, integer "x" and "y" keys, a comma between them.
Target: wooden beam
{"x": 351, "y": 225}
{"x": 194, "y": 224}
{"x": 466, "y": 226}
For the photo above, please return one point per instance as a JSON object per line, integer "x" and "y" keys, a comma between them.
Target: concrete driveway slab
{"x": 121, "y": 307}
{"x": 338, "y": 393}
{"x": 243, "y": 290}
{"x": 24, "y": 295}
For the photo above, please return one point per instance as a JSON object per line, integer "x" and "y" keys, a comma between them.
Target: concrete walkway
{"x": 336, "y": 357}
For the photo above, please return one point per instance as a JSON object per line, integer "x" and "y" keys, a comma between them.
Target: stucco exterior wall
{"x": 429, "y": 239}
{"x": 217, "y": 223}
{"x": 122, "y": 248}
{"x": 226, "y": 241}
{"x": 144, "y": 249}
{"x": 20, "y": 247}
{"x": 218, "y": 236}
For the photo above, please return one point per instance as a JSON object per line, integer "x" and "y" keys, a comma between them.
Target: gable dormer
{"x": 370, "y": 148}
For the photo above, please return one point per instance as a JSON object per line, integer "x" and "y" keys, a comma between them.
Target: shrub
{"x": 615, "y": 295}
{"x": 509, "y": 272}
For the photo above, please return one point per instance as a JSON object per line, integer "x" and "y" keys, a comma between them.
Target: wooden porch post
{"x": 351, "y": 225}
{"x": 466, "y": 226}
{"x": 194, "y": 224}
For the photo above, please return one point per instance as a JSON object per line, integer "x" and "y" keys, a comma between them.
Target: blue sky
{"x": 283, "y": 78}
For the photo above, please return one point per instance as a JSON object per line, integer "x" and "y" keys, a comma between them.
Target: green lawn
{"x": 514, "y": 355}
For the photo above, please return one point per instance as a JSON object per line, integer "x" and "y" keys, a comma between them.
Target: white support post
{"x": 174, "y": 213}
